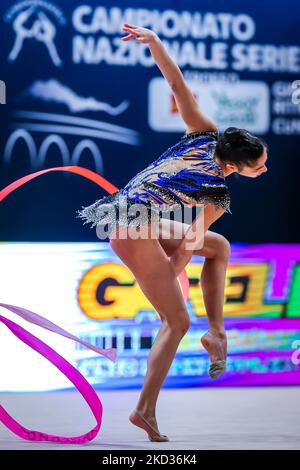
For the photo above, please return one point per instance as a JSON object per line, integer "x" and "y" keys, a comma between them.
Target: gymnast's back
{"x": 186, "y": 173}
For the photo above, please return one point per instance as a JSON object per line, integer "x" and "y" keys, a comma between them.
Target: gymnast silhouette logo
{"x": 35, "y": 23}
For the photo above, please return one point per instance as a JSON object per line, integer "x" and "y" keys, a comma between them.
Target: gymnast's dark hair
{"x": 240, "y": 147}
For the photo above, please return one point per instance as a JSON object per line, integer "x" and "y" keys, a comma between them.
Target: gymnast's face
{"x": 257, "y": 168}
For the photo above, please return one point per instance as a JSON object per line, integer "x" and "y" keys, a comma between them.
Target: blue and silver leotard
{"x": 185, "y": 174}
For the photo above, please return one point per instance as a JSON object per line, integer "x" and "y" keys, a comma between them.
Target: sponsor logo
{"x": 242, "y": 104}
{"x": 26, "y": 124}
{"x": 53, "y": 91}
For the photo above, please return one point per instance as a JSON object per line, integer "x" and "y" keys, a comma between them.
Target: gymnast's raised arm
{"x": 187, "y": 105}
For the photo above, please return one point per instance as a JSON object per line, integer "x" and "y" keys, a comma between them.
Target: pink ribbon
{"x": 64, "y": 366}
{"x": 52, "y": 356}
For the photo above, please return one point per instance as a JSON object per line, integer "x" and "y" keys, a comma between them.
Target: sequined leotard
{"x": 185, "y": 174}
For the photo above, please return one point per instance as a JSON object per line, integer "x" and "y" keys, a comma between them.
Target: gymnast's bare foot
{"x": 149, "y": 424}
{"x": 215, "y": 343}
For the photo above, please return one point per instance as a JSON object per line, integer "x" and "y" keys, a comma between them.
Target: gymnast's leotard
{"x": 185, "y": 174}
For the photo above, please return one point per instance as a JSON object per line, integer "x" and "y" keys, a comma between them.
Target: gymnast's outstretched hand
{"x": 143, "y": 35}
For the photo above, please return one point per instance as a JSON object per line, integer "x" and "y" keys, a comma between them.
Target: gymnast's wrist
{"x": 155, "y": 41}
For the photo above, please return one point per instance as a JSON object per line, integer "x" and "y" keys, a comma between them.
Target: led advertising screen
{"x": 85, "y": 289}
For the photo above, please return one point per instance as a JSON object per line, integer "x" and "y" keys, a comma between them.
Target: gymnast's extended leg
{"x": 216, "y": 251}
{"x": 156, "y": 277}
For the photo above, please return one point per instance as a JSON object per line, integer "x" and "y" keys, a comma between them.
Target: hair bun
{"x": 233, "y": 135}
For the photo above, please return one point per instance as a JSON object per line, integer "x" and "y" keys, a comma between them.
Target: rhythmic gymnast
{"x": 191, "y": 172}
